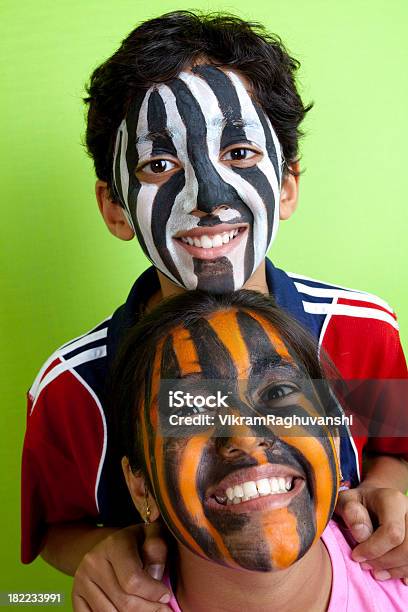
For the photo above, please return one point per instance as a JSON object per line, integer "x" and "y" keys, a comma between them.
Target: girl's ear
{"x": 141, "y": 496}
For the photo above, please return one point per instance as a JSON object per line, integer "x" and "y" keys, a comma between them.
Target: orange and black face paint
{"x": 194, "y": 477}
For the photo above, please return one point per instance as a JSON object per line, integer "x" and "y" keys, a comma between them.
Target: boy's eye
{"x": 238, "y": 154}
{"x": 158, "y": 165}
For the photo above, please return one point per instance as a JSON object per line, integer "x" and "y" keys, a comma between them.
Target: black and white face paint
{"x": 197, "y": 166}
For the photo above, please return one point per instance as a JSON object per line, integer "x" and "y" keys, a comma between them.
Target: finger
{"x": 93, "y": 597}
{"x": 395, "y": 558}
{"x": 356, "y": 518}
{"x": 154, "y": 551}
{"x": 396, "y": 573}
{"x": 79, "y": 604}
{"x": 390, "y": 533}
{"x": 129, "y": 574}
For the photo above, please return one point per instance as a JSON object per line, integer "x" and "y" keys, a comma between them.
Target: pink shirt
{"x": 353, "y": 590}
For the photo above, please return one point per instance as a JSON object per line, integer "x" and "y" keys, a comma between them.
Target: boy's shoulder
{"x": 82, "y": 359}
{"x": 338, "y": 299}
{"x": 358, "y": 329}
{"x": 323, "y": 298}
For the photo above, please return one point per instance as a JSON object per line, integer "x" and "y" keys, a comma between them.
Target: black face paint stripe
{"x": 270, "y": 145}
{"x": 208, "y": 344}
{"x": 170, "y": 368}
{"x": 257, "y": 341}
{"x": 212, "y": 189}
{"x": 132, "y": 118}
{"x": 255, "y": 177}
{"x": 215, "y": 275}
{"x": 157, "y": 124}
{"x": 161, "y": 210}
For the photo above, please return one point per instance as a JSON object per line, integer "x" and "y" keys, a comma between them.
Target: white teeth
{"x": 274, "y": 482}
{"x": 206, "y": 242}
{"x": 230, "y": 493}
{"x": 259, "y": 488}
{"x": 263, "y": 486}
{"x": 250, "y": 489}
{"x": 238, "y": 491}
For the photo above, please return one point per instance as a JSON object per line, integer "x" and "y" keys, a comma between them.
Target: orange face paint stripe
{"x": 280, "y": 529}
{"x": 188, "y": 475}
{"x": 185, "y": 351}
{"x": 225, "y": 325}
{"x": 323, "y": 477}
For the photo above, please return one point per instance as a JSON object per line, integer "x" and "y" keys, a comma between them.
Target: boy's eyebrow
{"x": 152, "y": 136}
{"x": 214, "y": 123}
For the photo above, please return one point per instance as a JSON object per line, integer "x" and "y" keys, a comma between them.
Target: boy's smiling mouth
{"x": 255, "y": 489}
{"x": 211, "y": 242}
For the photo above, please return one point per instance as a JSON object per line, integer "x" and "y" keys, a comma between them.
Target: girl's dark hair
{"x": 135, "y": 357}
{"x": 159, "y": 49}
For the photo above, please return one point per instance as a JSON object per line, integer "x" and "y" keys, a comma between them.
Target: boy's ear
{"x": 137, "y": 488}
{"x": 112, "y": 213}
{"x": 289, "y": 193}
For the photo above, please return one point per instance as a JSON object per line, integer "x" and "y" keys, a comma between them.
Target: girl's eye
{"x": 238, "y": 154}
{"x": 278, "y": 392}
{"x": 158, "y": 165}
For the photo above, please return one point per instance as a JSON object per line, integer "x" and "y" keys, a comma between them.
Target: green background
{"x": 62, "y": 272}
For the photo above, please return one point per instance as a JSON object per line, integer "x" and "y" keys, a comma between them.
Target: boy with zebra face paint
{"x": 249, "y": 506}
{"x": 198, "y": 168}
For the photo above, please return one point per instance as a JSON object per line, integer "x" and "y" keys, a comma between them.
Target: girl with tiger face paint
{"x": 197, "y": 167}
{"x": 257, "y": 498}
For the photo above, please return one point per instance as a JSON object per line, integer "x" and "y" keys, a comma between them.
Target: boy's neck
{"x": 257, "y": 282}
{"x": 204, "y": 585}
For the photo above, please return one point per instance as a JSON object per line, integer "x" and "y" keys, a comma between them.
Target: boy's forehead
{"x": 216, "y": 121}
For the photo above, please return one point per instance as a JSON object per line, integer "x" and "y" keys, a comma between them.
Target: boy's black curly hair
{"x": 159, "y": 49}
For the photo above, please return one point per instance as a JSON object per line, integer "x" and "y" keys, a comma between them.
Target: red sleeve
{"x": 63, "y": 449}
{"x": 370, "y": 349}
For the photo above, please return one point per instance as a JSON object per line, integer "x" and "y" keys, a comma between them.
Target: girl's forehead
{"x": 240, "y": 335}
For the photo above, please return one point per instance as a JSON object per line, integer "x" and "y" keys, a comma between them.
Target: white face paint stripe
{"x": 122, "y": 136}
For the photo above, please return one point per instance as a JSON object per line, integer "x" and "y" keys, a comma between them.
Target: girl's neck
{"x": 203, "y": 585}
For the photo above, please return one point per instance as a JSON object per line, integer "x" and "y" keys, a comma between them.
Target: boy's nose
{"x": 236, "y": 446}
{"x": 212, "y": 192}
{"x": 215, "y": 211}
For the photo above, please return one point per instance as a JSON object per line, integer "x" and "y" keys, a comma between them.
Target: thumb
{"x": 356, "y": 518}
{"x": 154, "y": 550}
